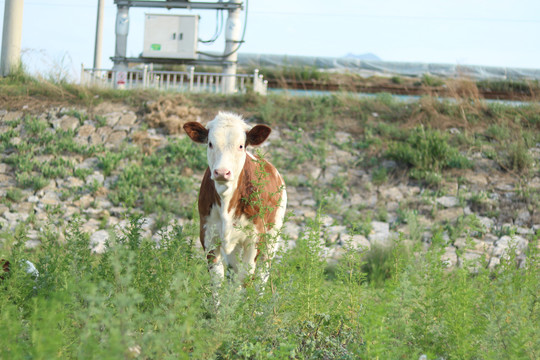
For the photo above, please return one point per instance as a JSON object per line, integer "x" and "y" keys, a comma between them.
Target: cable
{"x": 219, "y": 28}
{"x": 238, "y": 42}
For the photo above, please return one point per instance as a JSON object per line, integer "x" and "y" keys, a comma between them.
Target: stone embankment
{"x": 481, "y": 218}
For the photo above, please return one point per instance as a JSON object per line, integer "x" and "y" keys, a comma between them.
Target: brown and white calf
{"x": 242, "y": 198}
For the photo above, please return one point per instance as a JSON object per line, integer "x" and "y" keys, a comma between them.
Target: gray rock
{"x": 15, "y": 141}
{"x": 494, "y": 262}
{"x": 471, "y": 260}
{"x": 392, "y": 193}
{"x": 504, "y": 187}
{"x": 115, "y": 139}
{"x": 486, "y": 222}
{"x": 359, "y": 242}
{"x": 13, "y": 115}
{"x": 127, "y": 119}
{"x": 33, "y": 239}
{"x": 524, "y": 231}
{"x": 506, "y": 241}
{"x": 309, "y": 203}
{"x": 327, "y": 220}
{"x": 91, "y": 226}
{"x": 85, "y": 131}
{"x": 380, "y": 233}
{"x": 69, "y": 211}
{"x": 460, "y": 243}
{"x": 104, "y": 132}
{"x": 84, "y": 202}
{"x": 33, "y": 199}
{"x": 73, "y": 182}
{"x": 449, "y": 258}
{"x": 90, "y": 164}
{"x": 95, "y": 177}
{"x": 111, "y": 180}
{"x": 49, "y": 198}
{"x": 523, "y": 218}
{"x": 6, "y": 180}
{"x": 4, "y": 224}
{"x": 25, "y": 206}
{"x": 292, "y": 230}
{"x": 113, "y": 118}
{"x": 368, "y": 199}
{"x": 97, "y": 241}
{"x": 14, "y": 218}
{"x": 448, "y": 201}
{"x": 5, "y": 168}
{"x": 315, "y": 172}
{"x": 117, "y": 211}
{"x": 342, "y": 137}
{"x": 147, "y": 224}
{"x": 68, "y": 122}
{"x": 449, "y": 215}
{"x": 336, "y": 232}
{"x": 389, "y": 164}
{"x": 477, "y": 179}
{"x": 103, "y": 203}
{"x": 96, "y": 213}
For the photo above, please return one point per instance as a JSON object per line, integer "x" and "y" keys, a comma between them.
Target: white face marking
{"x": 226, "y": 151}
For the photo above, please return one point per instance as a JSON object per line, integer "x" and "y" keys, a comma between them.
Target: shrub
{"x": 427, "y": 152}
{"x": 518, "y": 157}
{"x": 430, "y": 80}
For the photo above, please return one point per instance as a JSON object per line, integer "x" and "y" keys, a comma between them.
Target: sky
{"x": 58, "y": 35}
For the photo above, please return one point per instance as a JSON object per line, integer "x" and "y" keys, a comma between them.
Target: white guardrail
{"x": 182, "y": 81}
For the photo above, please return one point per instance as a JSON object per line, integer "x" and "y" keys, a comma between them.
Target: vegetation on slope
{"x": 144, "y": 300}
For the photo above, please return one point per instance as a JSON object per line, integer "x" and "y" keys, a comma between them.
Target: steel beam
{"x": 141, "y": 60}
{"x": 179, "y": 4}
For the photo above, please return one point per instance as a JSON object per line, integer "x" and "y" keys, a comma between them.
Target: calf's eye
{"x": 241, "y": 147}
{"x": 210, "y": 145}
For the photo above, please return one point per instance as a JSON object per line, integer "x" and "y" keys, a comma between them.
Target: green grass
{"x": 389, "y": 302}
{"x": 156, "y": 300}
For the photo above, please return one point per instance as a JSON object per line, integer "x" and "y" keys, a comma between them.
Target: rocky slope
{"x": 481, "y": 215}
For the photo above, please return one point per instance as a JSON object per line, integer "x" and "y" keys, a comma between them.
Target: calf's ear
{"x": 196, "y": 132}
{"x": 258, "y": 134}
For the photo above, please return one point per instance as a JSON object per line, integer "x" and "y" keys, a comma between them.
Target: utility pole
{"x": 11, "y": 37}
{"x": 99, "y": 34}
{"x": 120, "y": 51}
{"x": 232, "y": 42}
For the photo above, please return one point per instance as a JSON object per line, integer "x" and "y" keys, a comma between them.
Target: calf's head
{"x": 226, "y": 137}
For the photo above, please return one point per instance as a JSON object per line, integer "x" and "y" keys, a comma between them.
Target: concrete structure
{"x": 11, "y": 36}
{"x": 99, "y": 34}
{"x": 227, "y": 60}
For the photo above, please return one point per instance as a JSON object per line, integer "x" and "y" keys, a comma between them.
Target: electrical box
{"x": 170, "y": 36}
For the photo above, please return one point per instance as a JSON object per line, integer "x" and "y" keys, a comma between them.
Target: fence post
{"x": 191, "y": 77}
{"x": 256, "y": 84}
{"x": 145, "y": 77}
{"x": 82, "y": 74}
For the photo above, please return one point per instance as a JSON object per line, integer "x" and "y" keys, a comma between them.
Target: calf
{"x": 242, "y": 198}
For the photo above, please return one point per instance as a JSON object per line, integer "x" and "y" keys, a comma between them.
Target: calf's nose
{"x": 222, "y": 174}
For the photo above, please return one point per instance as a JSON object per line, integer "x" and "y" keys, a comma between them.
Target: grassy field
{"x": 143, "y": 300}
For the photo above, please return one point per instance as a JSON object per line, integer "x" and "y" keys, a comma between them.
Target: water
{"x": 402, "y": 98}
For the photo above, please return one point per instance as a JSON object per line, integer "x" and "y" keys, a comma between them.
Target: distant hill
{"x": 367, "y": 56}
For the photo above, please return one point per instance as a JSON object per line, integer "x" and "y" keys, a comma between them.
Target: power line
{"x": 219, "y": 28}
{"x": 375, "y": 16}
{"x": 63, "y": 4}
